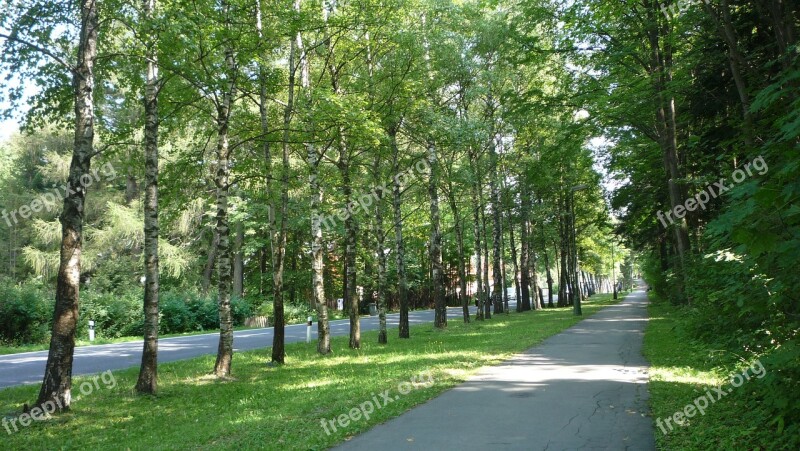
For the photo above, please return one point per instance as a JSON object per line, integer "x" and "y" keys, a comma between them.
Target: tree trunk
{"x": 208, "y": 271}
{"x": 400, "y": 253}
{"x": 513, "y": 245}
{"x": 487, "y": 294}
{"x": 278, "y": 338}
{"x": 350, "y": 287}
{"x": 524, "y": 304}
{"x": 458, "y": 225}
{"x": 574, "y": 276}
{"x": 380, "y": 239}
{"x": 665, "y": 114}
{"x": 148, "y": 371}
{"x": 222, "y": 367}
{"x": 504, "y": 303}
{"x": 536, "y": 292}
{"x": 476, "y": 231}
{"x": 279, "y": 243}
{"x": 238, "y": 262}
{"x": 562, "y": 275}
{"x": 497, "y": 236}
{"x": 437, "y": 271}
{"x": 57, "y": 383}
{"x": 351, "y": 293}
{"x": 266, "y": 149}
{"x": 727, "y": 32}
{"x": 317, "y": 262}
{"x": 131, "y": 187}
{"x": 549, "y": 275}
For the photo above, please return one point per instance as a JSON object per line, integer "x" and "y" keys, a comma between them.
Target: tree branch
{"x": 39, "y": 49}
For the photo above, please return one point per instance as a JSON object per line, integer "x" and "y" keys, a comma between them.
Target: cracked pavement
{"x": 582, "y": 389}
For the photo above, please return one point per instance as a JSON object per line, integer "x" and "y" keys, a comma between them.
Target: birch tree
{"x": 148, "y": 372}
{"x": 27, "y": 44}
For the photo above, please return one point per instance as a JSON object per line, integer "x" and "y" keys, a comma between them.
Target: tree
{"x": 148, "y": 372}
{"x": 22, "y": 41}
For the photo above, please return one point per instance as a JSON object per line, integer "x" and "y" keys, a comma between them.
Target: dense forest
{"x": 185, "y": 165}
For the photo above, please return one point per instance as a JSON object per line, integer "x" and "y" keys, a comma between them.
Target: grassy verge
{"x": 282, "y": 407}
{"x": 682, "y": 370}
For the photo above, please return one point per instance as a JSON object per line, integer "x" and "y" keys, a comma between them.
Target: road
{"x": 28, "y": 367}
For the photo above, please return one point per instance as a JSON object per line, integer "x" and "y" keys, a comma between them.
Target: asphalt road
{"x": 28, "y": 367}
{"x": 585, "y": 388}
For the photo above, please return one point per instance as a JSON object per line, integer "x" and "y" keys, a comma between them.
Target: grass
{"x": 282, "y": 407}
{"x": 683, "y": 369}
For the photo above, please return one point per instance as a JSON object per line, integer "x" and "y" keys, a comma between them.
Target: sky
{"x": 7, "y": 128}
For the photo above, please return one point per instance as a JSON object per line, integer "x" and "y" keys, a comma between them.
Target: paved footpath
{"x": 583, "y": 389}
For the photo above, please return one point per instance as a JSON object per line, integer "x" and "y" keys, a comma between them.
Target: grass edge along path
{"x": 283, "y": 407}
{"x": 682, "y": 370}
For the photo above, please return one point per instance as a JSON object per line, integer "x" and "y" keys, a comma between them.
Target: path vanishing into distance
{"x": 28, "y": 367}
{"x": 584, "y": 388}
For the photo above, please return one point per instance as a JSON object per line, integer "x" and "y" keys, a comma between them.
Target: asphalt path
{"x": 582, "y": 389}
{"x": 28, "y": 367}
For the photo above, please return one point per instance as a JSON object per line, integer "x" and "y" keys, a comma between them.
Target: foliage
{"x": 25, "y": 313}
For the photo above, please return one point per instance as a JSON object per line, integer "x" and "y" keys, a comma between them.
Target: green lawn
{"x": 282, "y": 407}
{"x": 683, "y": 369}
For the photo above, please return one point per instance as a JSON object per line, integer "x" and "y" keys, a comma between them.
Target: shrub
{"x": 25, "y": 313}
{"x": 205, "y": 310}
{"x": 292, "y": 313}
{"x": 187, "y": 312}
{"x": 175, "y": 315}
{"x": 240, "y": 310}
{"x": 115, "y": 315}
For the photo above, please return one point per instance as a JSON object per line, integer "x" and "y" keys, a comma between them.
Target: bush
{"x": 115, "y": 315}
{"x": 205, "y": 310}
{"x": 175, "y": 316}
{"x": 240, "y": 310}
{"x": 292, "y": 313}
{"x": 191, "y": 311}
{"x": 25, "y": 313}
